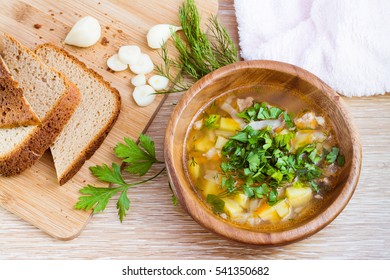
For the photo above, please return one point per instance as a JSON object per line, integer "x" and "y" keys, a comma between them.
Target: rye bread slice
{"x": 93, "y": 119}
{"x": 52, "y": 97}
{"x": 14, "y": 108}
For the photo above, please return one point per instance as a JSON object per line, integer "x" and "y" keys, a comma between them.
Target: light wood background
{"x": 154, "y": 229}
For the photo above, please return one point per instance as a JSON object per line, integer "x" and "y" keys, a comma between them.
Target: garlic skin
{"x": 144, "y": 95}
{"x": 159, "y": 34}
{"x": 115, "y": 64}
{"x": 85, "y": 33}
{"x": 129, "y": 54}
{"x": 158, "y": 82}
{"x": 144, "y": 65}
{"x": 138, "y": 80}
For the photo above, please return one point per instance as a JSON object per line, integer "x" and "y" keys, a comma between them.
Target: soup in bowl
{"x": 262, "y": 152}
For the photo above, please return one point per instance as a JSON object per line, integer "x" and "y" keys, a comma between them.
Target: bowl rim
{"x": 203, "y": 215}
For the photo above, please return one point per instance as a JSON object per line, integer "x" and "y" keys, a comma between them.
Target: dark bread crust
{"x": 44, "y": 135}
{"x": 95, "y": 143}
{"x": 13, "y": 99}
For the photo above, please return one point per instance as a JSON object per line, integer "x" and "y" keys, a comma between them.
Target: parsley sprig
{"x": 139, "y": 157}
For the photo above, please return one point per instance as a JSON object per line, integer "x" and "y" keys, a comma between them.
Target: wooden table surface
{"x": 155, "y": 229}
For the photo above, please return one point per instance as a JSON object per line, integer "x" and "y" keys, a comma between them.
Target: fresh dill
{"x": 199, "y": 53}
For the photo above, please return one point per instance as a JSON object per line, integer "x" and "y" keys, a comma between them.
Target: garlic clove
{"x": 144, "y": 65}
{"x": 144, "y": 95}
{"x": 85, "y": 33}
{"x": 158, "y": 82}
{"x": 115, "y": 64}
{"x": 159, "y": 34}
{"x": 139, "y": 80}
{"x": 129, "y": 54}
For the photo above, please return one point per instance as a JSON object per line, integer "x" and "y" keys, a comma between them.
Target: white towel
{"x": 346, "y": 43}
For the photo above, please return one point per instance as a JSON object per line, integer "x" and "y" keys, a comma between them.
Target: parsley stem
{"x": 147, "y": 180}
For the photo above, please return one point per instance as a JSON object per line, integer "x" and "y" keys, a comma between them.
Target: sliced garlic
{"x": 158, "y": 82}
{"x": 115, "y": 64}
{"x": 129, "y": 54}
{"x": 85, "y": 33}
{"x": 139, "y": 80}
{"x": 159, "y": 34}
{"x": 144, "y": 95}
{"x": 144, "y": 65}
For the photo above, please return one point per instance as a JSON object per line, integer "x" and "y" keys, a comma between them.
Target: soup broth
{"x": 261, "y": 165}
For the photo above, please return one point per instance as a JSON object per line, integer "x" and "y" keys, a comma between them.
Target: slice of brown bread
{"x": 99, "y": 108}
{"x": 52, "y": 97}
{"x": 14, "y": 108}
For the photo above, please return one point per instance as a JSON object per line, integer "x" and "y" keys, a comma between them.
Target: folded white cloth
{"x": 346, "y": 43}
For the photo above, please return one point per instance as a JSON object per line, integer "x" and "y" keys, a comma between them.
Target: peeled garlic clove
{"x": 144, "y": 95}
{"x": 144, "y": 65}
{"x": 85, "y": 33}
{"x": 159, "y": 34}
{"x": 139, "y": 80}
{"x": 158, "y": 82}
{"x": 129, "y": 54}
{"x": 115, "y": 64}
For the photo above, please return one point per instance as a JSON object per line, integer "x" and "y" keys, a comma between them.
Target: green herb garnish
{"x": 211, "y": 121}
{"x": 199, "y": 53}
{"x": 217, "y": 204}
{"x": 258, "y": 162}
{"x": 139, "y": 157}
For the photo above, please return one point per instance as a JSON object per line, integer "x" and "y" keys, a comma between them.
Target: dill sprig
{"x": 199, "y": 53}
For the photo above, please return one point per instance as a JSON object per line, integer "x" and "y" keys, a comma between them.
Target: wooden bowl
{"x": 294, "y": 83}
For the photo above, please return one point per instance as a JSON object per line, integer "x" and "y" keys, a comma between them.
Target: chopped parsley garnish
{"x": 259, "y": 162}
{"x": 211, "y": 121}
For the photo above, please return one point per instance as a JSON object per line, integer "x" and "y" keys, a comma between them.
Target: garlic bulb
{"x": 144, "y": 65}
{"x": 144, "y": 95}
{"x": 129, "y": 54}
{"x": 159, "y": 34}
{"x": 139, "y": 80}
{"x": 158, "y": 82}
{"x": 85, "y": 33}
{"x": 115, "y": 64}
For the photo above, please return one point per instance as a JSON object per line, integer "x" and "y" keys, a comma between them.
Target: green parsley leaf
{"x": 139, "y": 157}
{"x": 283, "y": 140}
{"x": 226, "y": 167}
{"x": 254, "y": 161}
{"x": 147, "y": 144}
{"x": 261, "y": 191}
{"x": 263, "y": 113}
{"x": 228, "y": 182}
{"x": 278, "y": 176}
{"x": 109, "y": 175}
{"x": 273, "y": 197}
{"x": 217, "y": 204}
{"x": 314, "y": 156}
{"x": 288, "y": 119}
{"x": 275, "y": 112}
{"x": 212, "y": 121}
{"x": 248, "y": 191}
{"x": 340, "y": 160}
{"x": 332, "y": 156}
{"x": 314, "y": 185}
{"x": 241, "y": 136}
{"x": 123, "y": 204}
{"x": 95, "y": 198}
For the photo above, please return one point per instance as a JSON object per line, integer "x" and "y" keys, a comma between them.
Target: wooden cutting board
{"x": 35, "y": 195}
